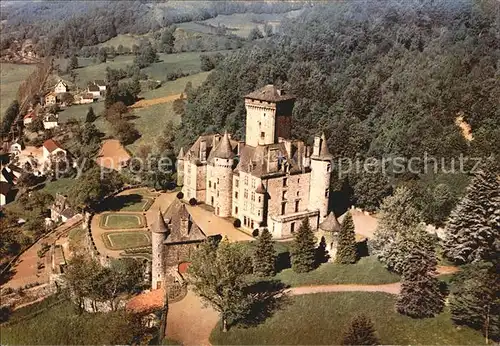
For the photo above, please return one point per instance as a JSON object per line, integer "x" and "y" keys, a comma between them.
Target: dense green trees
{"x": 399, "y": 230}
{"x": 217, "y": 274}
{"x": 91, "y": 117}
{"x": 360, "y": 332}
{"x": 303, "y": 249}
{"x": 9, "y": 117}
{"x": 264, "y": 256}
{"x": 473, "y": 231}
{"x": 346, "y": 250}
{"x": 420, "y": 294}
{"x": 474, "y": 298}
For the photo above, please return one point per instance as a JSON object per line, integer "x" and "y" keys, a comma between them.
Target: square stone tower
{"x": 269, "y": 116}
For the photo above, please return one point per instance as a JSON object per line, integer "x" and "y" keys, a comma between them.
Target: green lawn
{"x": 319, "y": 319}
{"x": 61, "y": 325}
{"x": 126, "y": 240}
{"x": 11, "y": 76}
{"x": 175, "y": 87}
{"x": 62, "y": 185}
{"x": 118, "y": 221}
{"x": 368, "y": 270}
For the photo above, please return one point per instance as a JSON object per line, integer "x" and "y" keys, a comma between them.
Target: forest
{"x": 381, "y": 79}
{"x": 63, "y": 27}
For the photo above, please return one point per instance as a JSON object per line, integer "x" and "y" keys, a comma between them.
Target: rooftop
{"x": 51, "y": 145}
{"x": 270, "y": 93}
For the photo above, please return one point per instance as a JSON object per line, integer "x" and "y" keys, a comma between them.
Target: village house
{"x": 16, "y": 147}
{"x": 28, "y": 118}
{"x": 61, "y": 87}
{"x": 175, "y": 236}
{"x": 84, "y": 98}
{"x": 50, "y": 121}
{"x": 94, "y": 90}
{"x": 268, "y": 181}
{"x": 102, "y": 86}
{"x": 50, "y": 99}
{"x": 60, "y": 210}
{"x": 51, "y": 148}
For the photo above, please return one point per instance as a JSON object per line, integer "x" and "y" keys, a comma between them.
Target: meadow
{"x": 320, "y": 319}
{"x": 11, "y": 76}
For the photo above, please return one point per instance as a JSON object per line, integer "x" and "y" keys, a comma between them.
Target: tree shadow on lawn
{"x": 283, "y": 261}
{"x": 268, "y": 297}
{"x": 117, "y": 203}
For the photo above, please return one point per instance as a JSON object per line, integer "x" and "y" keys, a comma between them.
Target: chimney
{"x": 317, "y": 145}
{"x": 203, "y": 150}
{"x": 184, "y": 226}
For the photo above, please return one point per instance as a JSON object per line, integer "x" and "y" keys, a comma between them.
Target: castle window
{"x": 260, "y": 199}
{"x": 236, "y": 194}
{"x": 253, "y": 183}
{"x": 297, "y": 206}
{"x": 217, "y": 180}
{"x": 253, "y": 196}
{"x": 215, "y": 185}
{"x": 245, "y": 220}
{"x": 285, "y": 181}
{"x": 262, "y": 135}
{"x": 292, "y": 227}
{"x": 209, "y": 183}
{"x": 329, "y": 167}
{"x": 246, "y": 180}
{"x": 326, "y": 193}
{"x": 245, "y": 193}
{"x": 236, "y": 210}
{"x": 258, "y": 212}
{"x": 217, "y": 193}
{"x": 236, "y": 183}
{"x": 298, "y": 193}
{"x": 283, "y": 196}
{"x": 283, "y": 208}
{"x": 298, "y": 181}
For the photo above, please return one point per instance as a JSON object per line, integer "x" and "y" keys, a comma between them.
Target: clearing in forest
{"x": 159, "y": 100}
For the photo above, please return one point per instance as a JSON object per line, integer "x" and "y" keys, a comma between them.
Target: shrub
{"x": 237, "y": 223}
{"x": 255, "y": 232}
{"x": 180, "y": 195}
{"x": 193, "y": 201}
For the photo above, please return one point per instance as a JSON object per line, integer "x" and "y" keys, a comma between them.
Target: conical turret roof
{"x": 330, "y": 224}
{"x": 224, "y": 149}
{"x": 158, "y": 224}
{"x": 324, "y": 153}
{"x": 180, "y": 156}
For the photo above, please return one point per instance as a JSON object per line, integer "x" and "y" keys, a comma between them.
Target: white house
{"x": 51, "y": 148}
{"x": 61, "y": 87}
{"x": 15, "y": 148}
{"x": 28, "y": 118}
{"x": 102, "y": 86}
{"x": 84, "y": 98}
{"x": 94, "y": 90}
{"x": 50, "y": 121}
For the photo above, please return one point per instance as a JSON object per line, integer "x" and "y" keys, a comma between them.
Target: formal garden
{"x": 126, "y": 240}
{"x": 121, "y": 220}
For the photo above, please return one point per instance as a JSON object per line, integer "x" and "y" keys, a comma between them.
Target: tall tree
{"x": 360, "y": 332}
{"x": 397, "y": 216}
{"x": 91, "y": 117}
{"x": 73, "y": 63}
{"x": 473, "y": 231}
{"x": 217, "y": 274}
{"x": 420, "y": 292}
{"x": 346, "y": 250}
{"x": 303, "y": 250}
{"x": 264, "y": 256}
{"x": 475, "y": 298}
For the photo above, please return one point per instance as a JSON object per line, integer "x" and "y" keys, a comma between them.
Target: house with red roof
{"x": 28, "y": 118}
{"x": 52, "y": 148}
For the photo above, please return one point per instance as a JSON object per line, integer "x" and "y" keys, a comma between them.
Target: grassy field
{"x": 367, "y": 271}
{"x": 60, "y": 324}
{"x": 126, "y": 40}
{"x": 126, "y": 240}
{"x": 319, "y": 319}
{"x": 11, "y": 76}
{"x": 118, "y": 221}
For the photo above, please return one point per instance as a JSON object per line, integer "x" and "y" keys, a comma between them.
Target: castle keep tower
{"x": 159, "y": 234}
{"x": 222, "y": 161}
{"x": 269, "y": 116}
{"x": 321, "y": 167}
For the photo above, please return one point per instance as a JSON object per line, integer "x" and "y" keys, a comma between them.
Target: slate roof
{"x": 68, "y": 213}
{"x": 175, "y": 213}
{"x": 92, "y": 87}
{"x": 270, "y": 93}
{"x": 193, "y": 153}
{"x": 224, "y": 150}
{"x": 324, "y": 153}
{"x": 270, "y": 159}
{"x": 330, "y": 224}
{"x": 5, "y": 188}
{"x": 158, "y": 224}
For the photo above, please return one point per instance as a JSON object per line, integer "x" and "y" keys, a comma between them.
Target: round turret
{"x": 223, "y": 173}
{"x": 321, "y": 164}
{"x": 159, "y": 232}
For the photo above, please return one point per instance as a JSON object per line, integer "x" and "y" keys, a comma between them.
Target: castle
{"x": 268, "y": 181}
